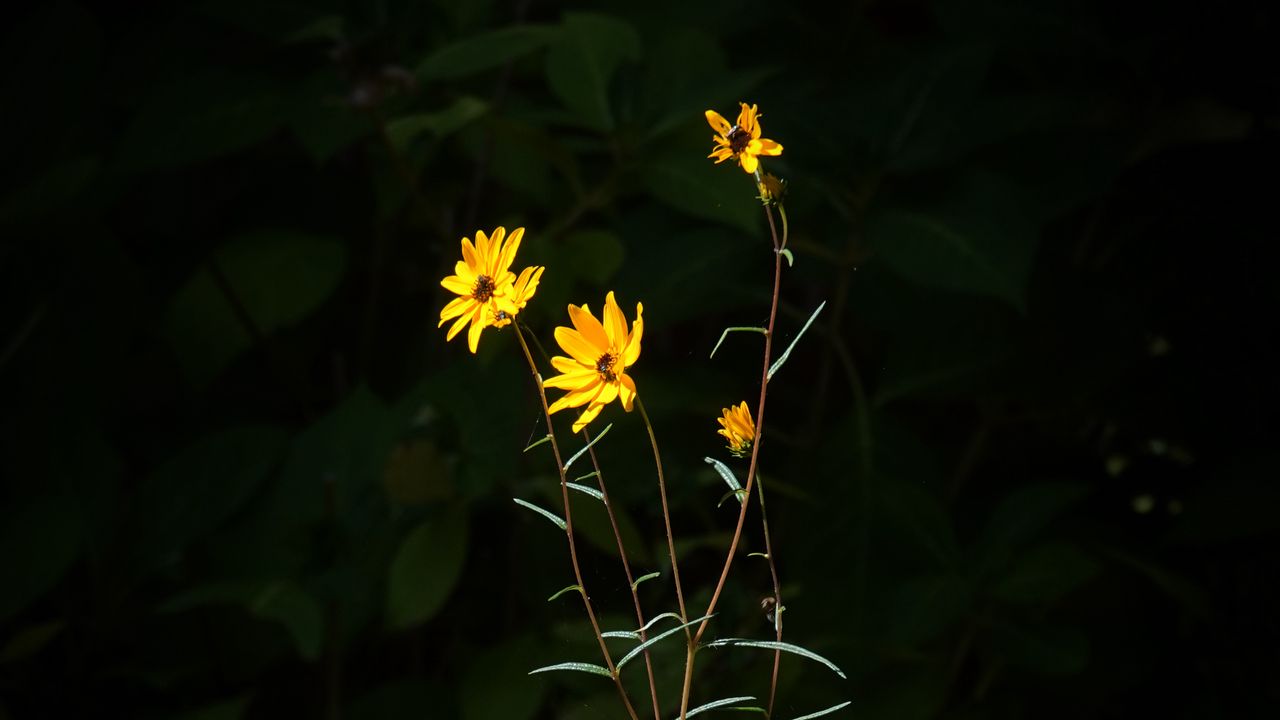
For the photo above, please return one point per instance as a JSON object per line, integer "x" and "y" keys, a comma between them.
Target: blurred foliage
{"x": 1022, "y": 464}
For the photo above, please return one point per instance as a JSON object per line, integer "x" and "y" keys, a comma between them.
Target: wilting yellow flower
{"x": 742, "y": 141}
{"x": 486, "y": 286}
{"x": 513, "y": 302}
{"x": 738, "y": 428}
{"x": 599, "y": 355}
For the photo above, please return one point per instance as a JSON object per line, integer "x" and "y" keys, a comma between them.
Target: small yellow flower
{"x": 742, "y": 141}
{"x": 485, "y": 285}
{"x": 595, "y": 373}
{"x": 738, "y": 428}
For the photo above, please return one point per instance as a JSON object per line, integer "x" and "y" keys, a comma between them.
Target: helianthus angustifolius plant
{"x": 738, "y": 428}
{"x": 741, "y": 142}
{"x": 595, "y": 374}
{"x": 488, "y": 292}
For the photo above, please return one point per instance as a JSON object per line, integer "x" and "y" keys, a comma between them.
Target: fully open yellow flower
{"x": 488, "y": 292}
{"x": 599, "y": 354}
{"x": 738, "y": 428}
{"x": 741, "y": 142}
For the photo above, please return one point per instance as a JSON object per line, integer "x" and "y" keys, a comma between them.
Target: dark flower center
{"x": 738, "y": 139}
{"x": 483, "y": 289}
{"x": 604, "y": 366}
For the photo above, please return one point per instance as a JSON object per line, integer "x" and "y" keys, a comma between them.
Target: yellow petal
{"x": 590, "y": 328}
{"x": 455, "y": 284}
{"x": 469, "y": 256}
{"x": 718, "y": 123}
{"x": 615, "y": 324}
{"x": 749, "y": 162}
{"x": 579, "y": 397}
{"x": 508, "y": 255}
{"x": 464, "y": 271}
{"x": 478, "y": 322}
{"x": 631, "y": 352}
{"x": 586, "y": 417}
{"x": 573, "y": 382}
{"x": 569, "y": 365}
{"x": 460, "y": 323}
{"x": 572, "y": 342}
{"x": 482, "y": 252}
{"x": 627, "y": 393}
{"x": 769, "y": 147}
{"x": 458, "y": 306}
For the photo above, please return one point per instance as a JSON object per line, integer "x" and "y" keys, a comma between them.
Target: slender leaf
{"x": 827, "y": 711}
{"x": 587, "y": 491}
{"x": 544, "y": 513}
{"x": 742, "y": 328}
{"x": 536, "y": 443}
{"x": 577, "y": 666}
{"x": 772, "y": 645}
{"x": 729, "y": 478}
{"x": 591, "y": 474}
{"x": 635, "y": 634}
{"x": 717, "y": 703}
{"x": 486, "y": 50}
{"x": 642, "y": 578}
{"x": 656, "y": 638}
{"x": 565, "y": 590}
{"x": 587, "y": 447}
{"x": 777, "y": 365}
{"x": 791, "y": 259}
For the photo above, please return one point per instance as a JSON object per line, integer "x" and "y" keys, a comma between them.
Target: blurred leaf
{"x": 280, "y": 601}
{"x": 404, "y": 130}
{"x": 980, "y": 241}
{"x": 593, "y": 255}
{"x": 54, "y": 188}
{"x": 417, "y": 474}
{"x": 277, "y": 277}
{"x": 199, "y": 117}
{"x": 1021, "y": 516}
{"x": 195, "y": 491}
{"x": 505, "y": 665}
{"x": 401, "y": 699}
{"x": 924, "y": 519}
{"x": 1043, "y": 574}
{"x": 484, "y": 51}
{"x": 39, "y": 540}
{"x": 582, "y": 61}
{"x": 425, "y": 569}
{"x": 1239, "y": 503}
{"x": 30, "y": 640}
{"x": 1044, "y": 649}
{"x": 225, "y": 710}
{"x": 918, "y": 609}
{"x": 682, "y": 177}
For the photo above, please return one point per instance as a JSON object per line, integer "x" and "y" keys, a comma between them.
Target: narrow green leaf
{"x": 791, "y": 260}
{"x": 656, "y": 638}
{"x": 578, "y": 666}
{"x": 717, "y": 703}
{"x": 756, "y": 554}
{"x": 642, "y": 578}
{"x": 587, "y": 491}
{"x": 729, "y": 478}
{"x": 772, "y": 645}
{"x": 740, "y": 492}
{"x": 584, "y": 477}
{"x": 587, "y": 447}
{"x": 544, "y": 513}
{"x": 635, "y": 634}
{"x": 536, "y": 443}
{"x": 565, "y": 590}
{"x": 742, "y": 328}
{"x": 787, "y": 353}
{"x": 827, "y": 711}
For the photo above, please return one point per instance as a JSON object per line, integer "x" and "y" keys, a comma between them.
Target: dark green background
{"x": 1023, "y": 465}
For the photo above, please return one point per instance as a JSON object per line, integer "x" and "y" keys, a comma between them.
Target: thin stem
{"x": 626, "y": 567}
{"x": 568, "y": 521}
{"x": 666, "y": 513}
{"x": 777, "y": 595}
{"x": 755, "y": 455}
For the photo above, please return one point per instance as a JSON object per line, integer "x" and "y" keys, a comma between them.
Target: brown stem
{"x": 755, "y": 457}
{"x": 626, "y": 567}
{"x": 777, "y": 596}
{"x": 666, "y": 513}
{"x": 568, "y": 522}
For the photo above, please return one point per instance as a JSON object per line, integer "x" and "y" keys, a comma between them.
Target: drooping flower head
{"x": 488, "y": 292}
{"x": 595, "y": 374}
{"x": 738, "y": 428}
{"x": 741, "y": 142}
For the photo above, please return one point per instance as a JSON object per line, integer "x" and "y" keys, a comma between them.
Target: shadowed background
{"x": 1023, "y": 463}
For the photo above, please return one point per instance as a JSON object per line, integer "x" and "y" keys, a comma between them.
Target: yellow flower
{"x": 738, "y": 428}
{"x": 521, "y": 292}
{"x": 595, "y": 373}
{"x": 485, "y": 285}
{"x": 742, "y": 141}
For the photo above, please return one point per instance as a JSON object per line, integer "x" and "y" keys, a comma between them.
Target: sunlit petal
{"x": 718, "y": 123}
{"x": 572, "y": 342}
{"x": 590, "y": 327}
